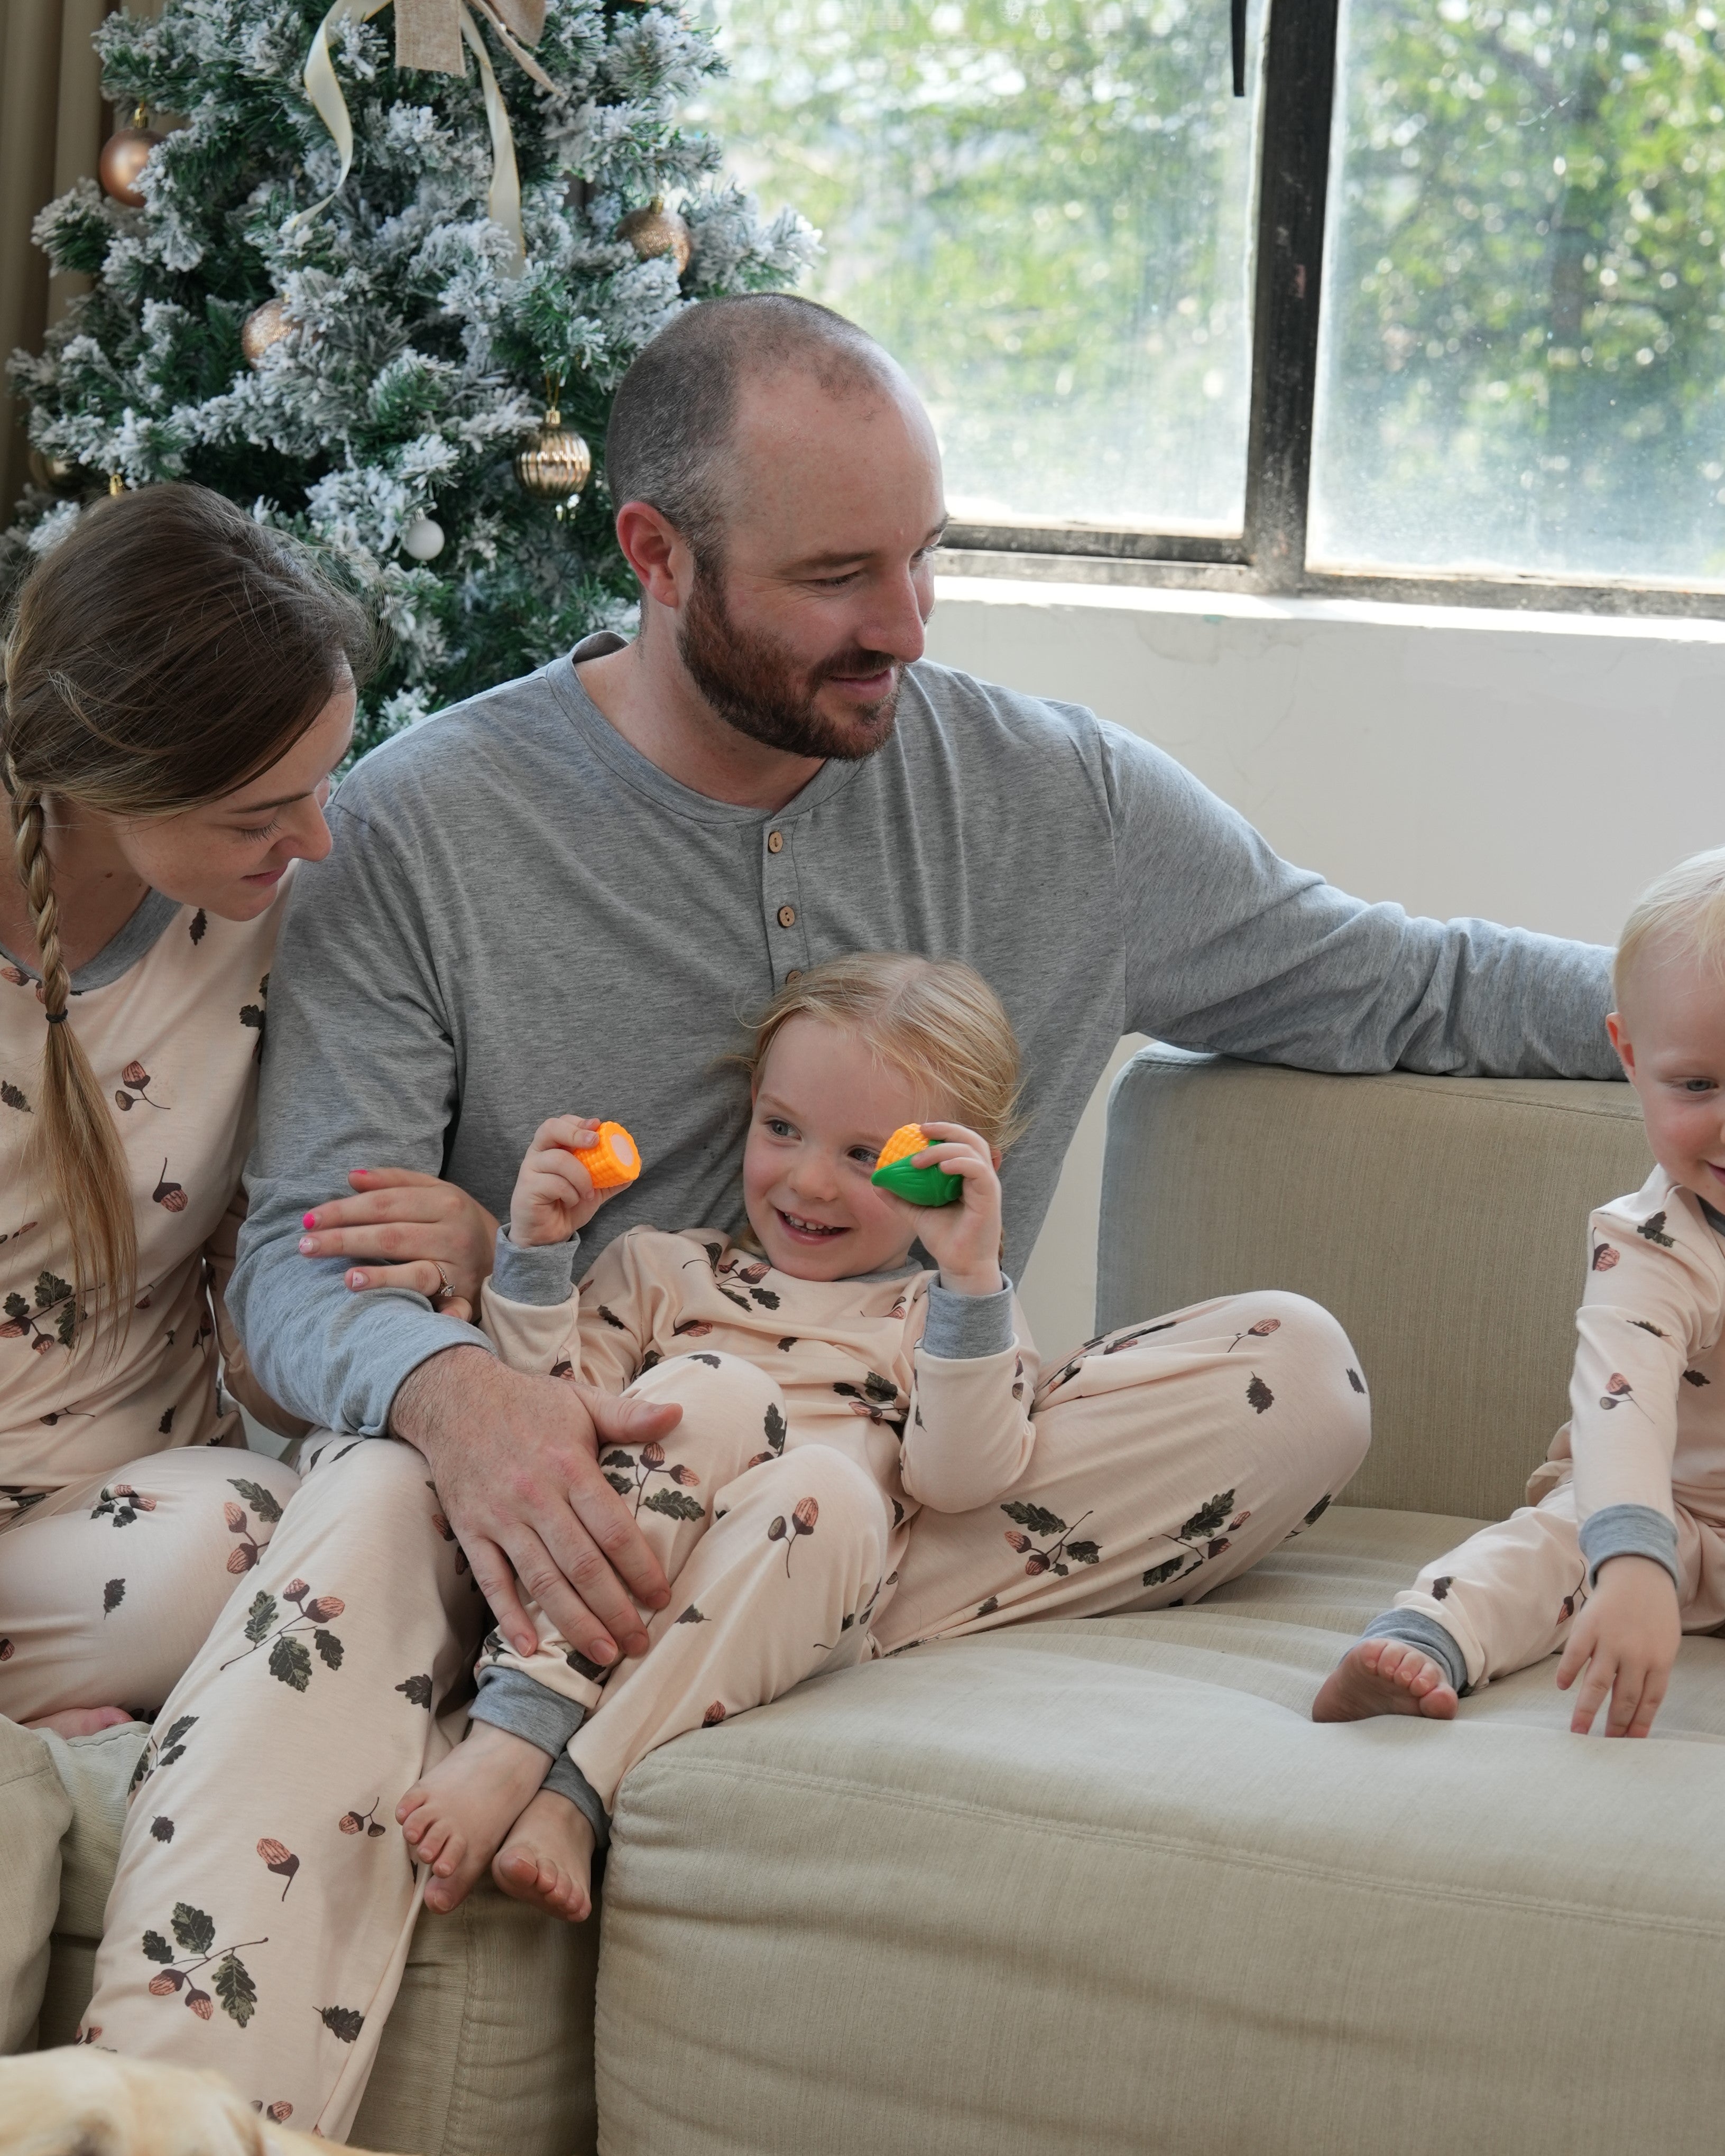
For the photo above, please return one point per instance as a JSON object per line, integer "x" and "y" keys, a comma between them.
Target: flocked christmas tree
{"x": 375, "y": 373}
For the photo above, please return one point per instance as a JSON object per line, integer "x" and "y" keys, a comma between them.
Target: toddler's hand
{"x": 554, "y": 1197}
{"x": 1627, "y": 1636}
{"x": 963, "y": 1239}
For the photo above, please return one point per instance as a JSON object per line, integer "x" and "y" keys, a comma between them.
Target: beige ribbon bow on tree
{"x": 429, "y": 34}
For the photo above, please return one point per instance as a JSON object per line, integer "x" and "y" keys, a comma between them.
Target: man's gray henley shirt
{"x": 523, "y": 917}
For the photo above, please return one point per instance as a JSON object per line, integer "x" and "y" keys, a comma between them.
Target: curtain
{"x": 52, "y": 124}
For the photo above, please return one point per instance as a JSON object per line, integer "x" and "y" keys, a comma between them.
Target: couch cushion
{"x": 35, "y": 1813}
{"x": 489, "y": 2048}
{"x": 1098, "y": 1886}
{"x": 1442, "y": 1219}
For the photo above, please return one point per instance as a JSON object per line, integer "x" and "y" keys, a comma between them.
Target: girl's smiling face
{"x": 824, "y": 1105}
{"x": 1671, "y": 1034}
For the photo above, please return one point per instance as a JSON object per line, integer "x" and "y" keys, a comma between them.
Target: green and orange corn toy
{"x": 921, "y": 1186}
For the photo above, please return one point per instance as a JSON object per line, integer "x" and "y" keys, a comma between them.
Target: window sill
{"x": 1196, "y": 590}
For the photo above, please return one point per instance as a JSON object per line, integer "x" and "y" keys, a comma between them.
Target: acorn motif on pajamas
{"x": 918, "y": 1186}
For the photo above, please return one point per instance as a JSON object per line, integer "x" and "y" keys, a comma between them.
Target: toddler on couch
{"x": 1621, "y": 1549}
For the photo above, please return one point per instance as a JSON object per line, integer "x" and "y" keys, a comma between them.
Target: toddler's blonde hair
{"x": 936, "y": 1020}
{"x": 1681, "y": 914}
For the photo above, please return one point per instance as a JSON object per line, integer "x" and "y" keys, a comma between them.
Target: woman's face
{"x": 228, "y": 855}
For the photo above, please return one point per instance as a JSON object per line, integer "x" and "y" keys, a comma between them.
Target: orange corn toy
{"x": 612, "y": 1159}
{"x": 921, "y": 1186}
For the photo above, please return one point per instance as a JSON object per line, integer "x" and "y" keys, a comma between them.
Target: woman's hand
{"x": 963, "y": 1239}
{"x": 554, "y": 1198}
{"x": 1627, "y": 1636}
{"x": 406, "y": 1229}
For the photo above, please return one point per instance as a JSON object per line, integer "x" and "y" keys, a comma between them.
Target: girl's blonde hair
{"x": 1682, "y": 914}
{"x": 164, "y": 653}
{"x": 935, "y": 1020}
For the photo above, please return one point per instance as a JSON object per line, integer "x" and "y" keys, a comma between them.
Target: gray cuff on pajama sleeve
{"x": 961, "y": 1328}
{"x": 543, "y": 1274}
{"x": 510, "y": 1700}
{"x": 1415, "y": 1628}
{"x": 1629, "y": 1531}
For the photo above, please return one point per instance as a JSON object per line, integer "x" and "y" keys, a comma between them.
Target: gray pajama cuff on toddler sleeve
{"x": 960, "y": 1327}
{"x": 1629, "y": 1531}
{"x": 543, "y": 1274}
{"x": 1415, "y": 1628}
{"x": 509, "y": 1700}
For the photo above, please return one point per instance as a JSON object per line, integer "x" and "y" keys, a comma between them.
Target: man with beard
{"x": 560, "y": 895}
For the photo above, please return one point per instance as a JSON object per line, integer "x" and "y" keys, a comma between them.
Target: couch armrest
{"x": 1442, "y": 1220}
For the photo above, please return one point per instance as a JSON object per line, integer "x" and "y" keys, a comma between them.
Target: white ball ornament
{"x": 423, "y": 539}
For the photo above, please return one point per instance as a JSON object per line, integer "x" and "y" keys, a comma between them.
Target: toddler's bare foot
{"x": 81, "y": 1721}
{"x": 548, "y": 1858}
{"x": 456, "y": 1816}
{"x": 1384, "y": 1677}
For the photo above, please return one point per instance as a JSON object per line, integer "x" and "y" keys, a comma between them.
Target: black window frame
{"x": 1269, "y": 559}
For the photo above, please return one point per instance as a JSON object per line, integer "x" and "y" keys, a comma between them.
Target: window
{"x": 1437, "y": 307}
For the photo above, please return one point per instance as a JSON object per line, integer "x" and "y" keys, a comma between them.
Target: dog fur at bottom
{"x": 77, "y": 2101}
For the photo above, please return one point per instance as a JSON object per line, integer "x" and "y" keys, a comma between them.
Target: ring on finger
{"x": 448, "y": 1289}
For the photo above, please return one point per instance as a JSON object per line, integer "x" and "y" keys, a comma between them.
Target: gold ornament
{"x": 116, "y": 484}
{"x": 556, "y": 464}
{"x": 264, "y": 326}
{"x": 59, "y": 474}
{"x": 125, "y": 155}
{"x": 657, "y": 230}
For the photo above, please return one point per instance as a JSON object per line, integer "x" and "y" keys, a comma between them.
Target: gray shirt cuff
{"x": 544, "y": 1274}
{"x": 406, "y": 1335}
{"x": 962, "y": 1327}
{"x": 1629, "y": 1531}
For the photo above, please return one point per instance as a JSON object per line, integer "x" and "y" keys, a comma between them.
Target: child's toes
{"x": 446, "y": 1861}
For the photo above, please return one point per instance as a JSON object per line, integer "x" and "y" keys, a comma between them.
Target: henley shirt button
{"x": 788, "y": 916}
{"x": 775, "y": 842}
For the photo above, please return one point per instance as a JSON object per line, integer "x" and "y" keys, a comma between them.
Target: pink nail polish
{"x": 355, "y": 1279}
{"x": 309, "y": 1221}
{"x": 306, "y": 1246}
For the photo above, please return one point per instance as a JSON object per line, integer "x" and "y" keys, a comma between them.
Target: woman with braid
{"x": 179, "y": 687}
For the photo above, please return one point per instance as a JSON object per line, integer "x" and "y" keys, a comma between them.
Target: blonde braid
{"x": 75, "y": 1137}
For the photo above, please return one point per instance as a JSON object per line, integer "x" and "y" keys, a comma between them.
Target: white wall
{"x": 1533, "y": 768}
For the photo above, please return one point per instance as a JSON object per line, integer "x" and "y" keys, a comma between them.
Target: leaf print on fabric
{"x": 1695, "y": 1378}
{"x": 786, "y": 1345}
{"x": 280, "y": 1860}
{"x": 630, "y": 1472}
{"x": 56, "y": 1308}
{"x": 1440, "y": 1587}
{"x": 1644, "y": 1325}
{"x": 1605, "y": 1257}
{"x": 987, "y": 1608}
{"x": 161, "y": 1830}
{"x": 416, "y": 1690}
{"x": 1258, "y": 1396}
{"x": 197, "y": 926}
{"x": 170, "y": 1196}
{"x": 161, "y": 1749}
{"x": 119, "y": 1504}
{"x": 1355, "y": 1379}
{"x": 674, "y": 1505}
{"x": 289, "y": 1661}
{"x": 253, "y": 1015}
{"x": 692, "y": 1615}
{"x": 1169, "y": 1569}
{"x": 113, "y": 1594}
{"x": 195, "y": 1932}
{"x": 262, "y": 1502}
{"x": 1317, "y": 1511}
{"x": 13, "y": 1097}
{"x": 343, "y": 2022}
{"x": 1653, "y": 1229}
{"x": 774, "y": 1423}
{"x": 1062, "y": 1552}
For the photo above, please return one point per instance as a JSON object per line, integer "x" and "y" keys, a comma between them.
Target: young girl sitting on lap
{"x": 831, "y": 1386}
{"x": 1624, "y": 1551}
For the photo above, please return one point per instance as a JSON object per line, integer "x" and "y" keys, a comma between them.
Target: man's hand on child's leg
{"x": 1627, "y": 1639}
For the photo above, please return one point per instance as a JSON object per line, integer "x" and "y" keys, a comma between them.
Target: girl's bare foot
{"x": 82, "y": 1721}
{"x": 548, "y": 1858}
{"x": 1384, "y": 1677}
{"x": 457, "y": 1815}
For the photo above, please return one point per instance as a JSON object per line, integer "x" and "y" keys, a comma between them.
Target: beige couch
{"x": 1102, "y": 1886}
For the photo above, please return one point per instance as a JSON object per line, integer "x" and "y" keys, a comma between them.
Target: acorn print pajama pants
{"x": 1168, "y": 1459}
{"x": 261, "y": 1913}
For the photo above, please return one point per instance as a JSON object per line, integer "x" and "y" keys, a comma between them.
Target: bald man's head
{"x": 674, "y": 413}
